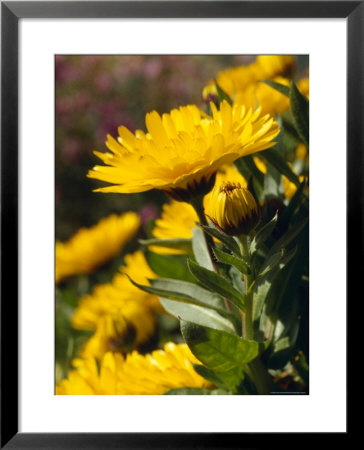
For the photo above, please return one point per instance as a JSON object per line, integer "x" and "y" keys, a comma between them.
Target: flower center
{"x": 229, "y": 187}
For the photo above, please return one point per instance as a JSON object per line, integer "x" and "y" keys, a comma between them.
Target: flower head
{"x": 120, "y": 331}
{"x": 92, "y": 247}
{"x": 120, "y": 296}
{"x": 237, "y": 79}
{"x": 182, "y": 151}
{"x": 234, "y": 209}
{"x": 151, "y": 374}
{"x": 178, "y": 219}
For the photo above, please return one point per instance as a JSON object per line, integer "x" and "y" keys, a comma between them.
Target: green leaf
{"x": 300, "y": 113}
{"x": 232, "y": 260}
{"x": 278, "y": 87}
{"x": 280, "y": 355}
{"x": 200, "y": 249}
{"x": 196, "y": 391}
{"x": 280, "y": 258}
{"x": 254, "y": 177}
{"x": 276, "y": 159}
{"x": 228, "y": 241}
{"x": 217, "y": 283}
{"x": 222, "y": 95}
{"x": 183, "y": 291}
{"x": 184, "y": 245}
{"x": 169, "y": 266}
{"x": 290, "y": 136}
{"x": 197, "y": 314}
{"x": 208, "y": 374}
{"x": 231, "y": 379}
{"x": 288, "y": 237}
{"x": 259, "y": 297}
{"x": 263, "y": 234}
{"x": 287, "y": 214}
{"x": 218, "y": 350}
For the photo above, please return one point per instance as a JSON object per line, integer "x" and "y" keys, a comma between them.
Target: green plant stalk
{"x": 197, "y": 204}
{"x": 257, "y": 370}
{"x": 247, "y": 318}
{"x": 261, "y": 377}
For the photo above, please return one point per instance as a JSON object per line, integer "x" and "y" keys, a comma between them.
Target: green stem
{"x": 197, "y": 204}
{"x": 258, "y": 371}
{"x": 261, "y": 377}
{"x": 247, "y": 318}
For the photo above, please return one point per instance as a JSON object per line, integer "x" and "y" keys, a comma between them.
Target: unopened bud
{"x": 233, "y": 209}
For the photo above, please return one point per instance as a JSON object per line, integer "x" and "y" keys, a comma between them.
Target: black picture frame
{"x": 11, "y": 13}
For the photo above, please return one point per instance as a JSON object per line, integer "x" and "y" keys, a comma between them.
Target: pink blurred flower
{"x": 148, "y": 212}
{"x": 71, "y": 151}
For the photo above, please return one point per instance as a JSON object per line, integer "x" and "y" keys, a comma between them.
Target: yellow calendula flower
{"x": 115, "y": 333}
{"x": 151, "y": 374}
{"x": 269, "y": 99}
{"x": 234, "y": 209}
{"x": 178, "y": 219}
{"x": 182, "y": 151}
{"x": 235, "y": 80}
{"x": 87, "y": 379}
{"x": 120, "y": 296}
{"x": 92, "y": 247}
{"x": 270, "y": 66}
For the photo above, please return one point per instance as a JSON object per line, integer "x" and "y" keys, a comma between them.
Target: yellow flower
{"x": 151, "y": 374}
{"x": 92, "y": 247}
{"x": 271, "y": 66}
{"x": 260, "y": 164}
{"x": 244, "y": 84}
{"x": 209, "y": 92}
{"x": 120, "y": 296}
{"x": 115, "y": 333}
{"x": 270, "y": 100}
{"x": 289, "y": 187}
{"x": 301, "y": 152}
{"x": 86, "y": 379}
{"x": 178, "y": 219}
{"x": 234, "y": 209}
{"x": 237, "y": 79}
{"x": 304, "y": 86}
{"x": 182, "y": 151}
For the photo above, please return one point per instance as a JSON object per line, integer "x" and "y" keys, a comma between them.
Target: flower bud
{"x": 233, "y": 209}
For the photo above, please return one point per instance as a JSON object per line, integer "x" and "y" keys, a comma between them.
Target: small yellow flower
{"x": 234, "y": 209}
{"x": 120, "y": 296}
{"x": 151, "y": 374}
{"x": 182, "y": 151}
{"x": 178, "y": 219}
{"x": 301, "y": 152}
{"x": 260, "y": 164}
{"x": 209, "y": 92}
{"x": 92, "y": 247}
{"x": 289, "y": 187}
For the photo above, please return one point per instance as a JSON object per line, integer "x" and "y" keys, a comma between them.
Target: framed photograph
{"x": 181, "y": 210}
